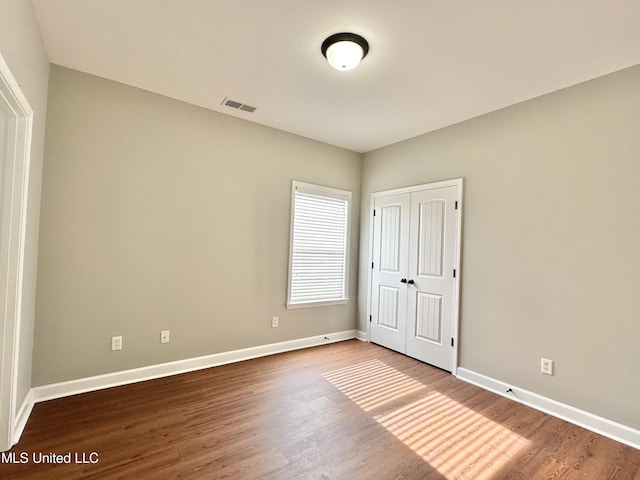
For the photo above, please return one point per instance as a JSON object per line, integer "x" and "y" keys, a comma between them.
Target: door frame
{"x": 14, "y": 161}
{"x": 457, "y": 182}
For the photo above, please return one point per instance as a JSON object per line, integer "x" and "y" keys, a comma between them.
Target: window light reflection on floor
{"x": 454, "y": 439}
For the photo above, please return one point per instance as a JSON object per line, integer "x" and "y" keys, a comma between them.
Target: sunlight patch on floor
{"x": 454, "y": 439}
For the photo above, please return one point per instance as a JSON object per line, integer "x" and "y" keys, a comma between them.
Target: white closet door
{"x": 413, "y": 285}
{"x": 432, "y": 257}
{"x": 390, "y": 262}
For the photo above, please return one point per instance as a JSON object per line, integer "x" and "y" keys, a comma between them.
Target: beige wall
{"x": 551, "y": 247}
{"x": 23, "y": 50}
{"x": 158, "y": 215}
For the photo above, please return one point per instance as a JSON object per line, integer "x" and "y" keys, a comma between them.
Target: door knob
{"x": 411, "y": 282}
{"x": 404, "y": 280}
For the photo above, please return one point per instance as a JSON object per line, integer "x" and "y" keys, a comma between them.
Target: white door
{"x": 414, "y": 285}
{"x": 15, "y": 140}
{"x": 390, "y": 262}
{"x": 432, "y": 255}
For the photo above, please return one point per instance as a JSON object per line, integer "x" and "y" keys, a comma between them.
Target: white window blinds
{"x": 319, "y": 248}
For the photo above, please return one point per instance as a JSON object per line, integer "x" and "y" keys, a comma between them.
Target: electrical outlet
{"x": 274, "y": 322}
{"x": 116, "y": 343}
{"x": 546, "y": 366}
{"x": 164, "y": 336}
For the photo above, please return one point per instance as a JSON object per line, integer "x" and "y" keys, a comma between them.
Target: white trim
{"x": 22, "y": 416}
{"x": 603, "y": 426}
{"x": 367, "y": 319}
{"x": 458, "y": 182}
{"x": 15, "y": 161}
{"x": 362, "y": 336}
{"x": 456, "y": 303}
{"x": 417, "y": 188}
{"x": 342, "y": 301}
{"x": 108, "y": 380}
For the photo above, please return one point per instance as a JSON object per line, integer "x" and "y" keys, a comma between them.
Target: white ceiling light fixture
{"x": 344, "y": 51}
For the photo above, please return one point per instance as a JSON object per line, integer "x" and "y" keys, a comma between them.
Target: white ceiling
{"x": 431, "y": 63}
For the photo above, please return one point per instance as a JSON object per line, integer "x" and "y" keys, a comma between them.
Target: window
{"x": 319, "y": 248}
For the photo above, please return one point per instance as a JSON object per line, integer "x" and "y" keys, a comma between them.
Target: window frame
{"x": 328, "y": 192}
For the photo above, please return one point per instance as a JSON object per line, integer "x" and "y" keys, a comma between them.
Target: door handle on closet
{"x": 411, "y": 282}
{"x": 404, "y": 280}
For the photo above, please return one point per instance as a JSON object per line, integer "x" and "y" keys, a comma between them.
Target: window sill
{"x": 323, "y": 303}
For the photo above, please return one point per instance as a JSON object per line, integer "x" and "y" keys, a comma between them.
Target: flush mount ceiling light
{"x": 344, "y": 51}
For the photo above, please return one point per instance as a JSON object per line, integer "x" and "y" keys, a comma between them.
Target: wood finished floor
{"x": 349, "y": 411}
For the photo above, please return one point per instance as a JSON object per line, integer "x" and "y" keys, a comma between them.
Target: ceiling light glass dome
{"x": 344, "y": 51}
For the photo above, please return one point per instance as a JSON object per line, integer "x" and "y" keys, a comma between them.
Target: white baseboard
{"x": 608, "y": 428}
{"x": 362, "y": 336}
{"x": 99, "y": 382}
{"x": 600, "y": 425}
{"x": 20, "y": 421}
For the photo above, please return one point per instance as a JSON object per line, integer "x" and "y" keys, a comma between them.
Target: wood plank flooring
{"x": 349, "y": 410}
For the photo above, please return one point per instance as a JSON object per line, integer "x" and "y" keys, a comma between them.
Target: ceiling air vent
{"x": 241, "y": 106}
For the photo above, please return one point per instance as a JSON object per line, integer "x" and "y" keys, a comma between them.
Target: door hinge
{"x": 456, "y": 204}
{"x": 370, "y": 318}
{"x": 371, "y": 265}
{"x": 454, "y": 273}
{"x": 374, "y": 212}
{"x": 452, "y": 341}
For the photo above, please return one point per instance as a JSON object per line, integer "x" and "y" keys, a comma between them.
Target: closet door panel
{"x": 430, "y": 298}
{"x": 390, "y": 261}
